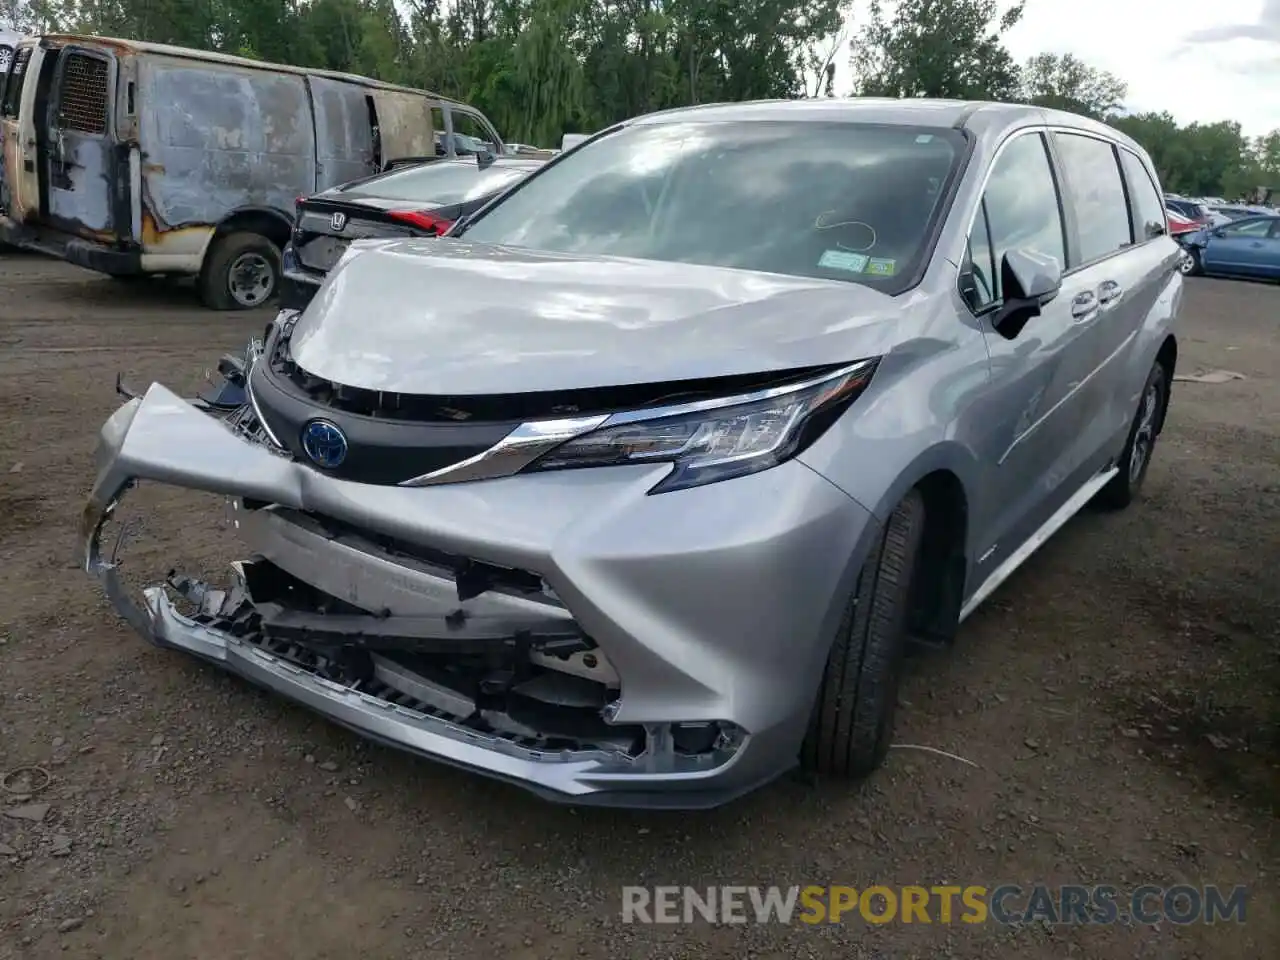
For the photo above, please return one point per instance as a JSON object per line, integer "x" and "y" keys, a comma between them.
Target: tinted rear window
{"x": 839, "y": 201}
{"x": 440, "y": 182}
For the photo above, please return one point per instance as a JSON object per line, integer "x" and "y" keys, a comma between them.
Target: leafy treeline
{"x": 540, "y": 68}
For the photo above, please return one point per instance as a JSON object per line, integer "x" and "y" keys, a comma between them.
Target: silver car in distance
{"x": 636, "y": 487}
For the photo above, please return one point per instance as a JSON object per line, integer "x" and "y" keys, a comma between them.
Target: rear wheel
{"x": 241, "y": 271}
{"x": 852, "y": 721}
{"x": 1123, "y": 488}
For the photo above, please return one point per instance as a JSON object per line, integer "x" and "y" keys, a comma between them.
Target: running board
{"x": 1034, "y": 542}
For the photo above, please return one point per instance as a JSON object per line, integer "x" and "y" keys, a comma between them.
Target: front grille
{"x": 83, "y": 98}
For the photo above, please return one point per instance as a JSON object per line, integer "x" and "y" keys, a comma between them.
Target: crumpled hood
{"x": 448, "y": 317}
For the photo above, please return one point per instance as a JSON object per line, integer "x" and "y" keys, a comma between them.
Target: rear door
{"x": 345, "y": 117}
{"x": 1271, "y": 261}
{"x": 18, "y": 132}
{"x": 1119, "y": 278}
{"x": 80, "y": 163}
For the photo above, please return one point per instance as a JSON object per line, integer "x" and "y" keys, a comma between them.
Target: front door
{"x": 1035, "y": 406}
{"x": 80, "y": 161}
{"x": 18, "y": 128}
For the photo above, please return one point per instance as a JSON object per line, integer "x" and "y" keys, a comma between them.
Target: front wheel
{"x": 241, "y": 272}
{"x": 1123, "y": 488}
{"x": 852, "y": 721}
{"x": 1189, "y": 263}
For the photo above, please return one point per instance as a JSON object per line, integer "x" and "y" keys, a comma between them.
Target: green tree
{"x": 937, "y": 48}
{"x": 1065, "y": 82}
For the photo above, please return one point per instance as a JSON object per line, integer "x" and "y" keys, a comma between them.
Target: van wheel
{"x": 852, "y": 721}
{"x": 1123, "y": 488}
{"x": 241, "y": 271}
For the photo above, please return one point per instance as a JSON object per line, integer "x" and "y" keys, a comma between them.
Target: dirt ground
{"x": 1120, "y": 697}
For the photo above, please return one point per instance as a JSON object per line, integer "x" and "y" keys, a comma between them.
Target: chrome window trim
{"x": 529, "y": 441}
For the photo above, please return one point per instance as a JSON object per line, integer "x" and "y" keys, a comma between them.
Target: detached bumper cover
{"x": 713, "y": 605}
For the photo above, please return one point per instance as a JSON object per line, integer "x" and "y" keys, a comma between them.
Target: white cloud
{"x": 1198, "y": 60}
{"x": 1201, "y": 60}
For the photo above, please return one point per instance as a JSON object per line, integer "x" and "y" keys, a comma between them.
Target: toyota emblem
{"x": 324, "y": 443}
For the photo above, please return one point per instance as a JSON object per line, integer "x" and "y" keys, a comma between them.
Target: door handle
{"x": 1084, "y": 306}
{"x": 1108, "y": 292}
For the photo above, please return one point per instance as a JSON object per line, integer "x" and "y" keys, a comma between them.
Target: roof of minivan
{"x": 119, "y": 46}
{"x": 976, "y": 115}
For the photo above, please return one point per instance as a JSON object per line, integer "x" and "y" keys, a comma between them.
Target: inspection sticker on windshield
{"x": 843, "y": 260}
{"x": 882, "y": 267}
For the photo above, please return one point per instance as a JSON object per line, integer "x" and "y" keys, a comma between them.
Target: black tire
{"x": 1193, "y": 266}
{"x": 232, "y": 260}
{"x": 1124, "y": 487}
{"x": 852, "y": 722}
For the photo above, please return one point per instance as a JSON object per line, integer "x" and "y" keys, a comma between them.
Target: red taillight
{"x": 422, "y": 219}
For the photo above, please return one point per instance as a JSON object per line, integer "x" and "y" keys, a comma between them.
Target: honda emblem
{"x": 338, "y": 221}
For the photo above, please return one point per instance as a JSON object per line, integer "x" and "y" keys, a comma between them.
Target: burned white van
{"x": 138, "y": 158}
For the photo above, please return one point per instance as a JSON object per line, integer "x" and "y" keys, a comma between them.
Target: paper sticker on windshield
{"x": 843, "y": 260}
{"x": 882, "y": 267}
{"x": 924, "y": 138}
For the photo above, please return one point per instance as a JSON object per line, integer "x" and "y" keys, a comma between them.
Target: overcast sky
{"x": 1201, "y": 60}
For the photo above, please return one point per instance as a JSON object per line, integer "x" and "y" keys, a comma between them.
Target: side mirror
{"x": 1217, "y": 232}
{"x": 1029, "y": 280}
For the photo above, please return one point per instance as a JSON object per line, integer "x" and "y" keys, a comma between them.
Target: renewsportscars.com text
{"x": 1003, "y": 904}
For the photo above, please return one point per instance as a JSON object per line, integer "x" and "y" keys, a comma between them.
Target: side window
{"x": 1098, "y": 198}
{"x": 1019, "y": 211}
{"x": 471, "y": 132}
{"x": 1148, "y": 211}
{"x": 978, "y": 281}
{"x": 1248, "y": 228}
{"x": 13, "y": 90}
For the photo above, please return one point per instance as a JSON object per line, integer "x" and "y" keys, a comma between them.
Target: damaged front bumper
{"x": 562, "y": 631}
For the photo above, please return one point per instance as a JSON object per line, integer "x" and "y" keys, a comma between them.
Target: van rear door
{"x": 83, "y": 182}
{"x": 21, "y": 192}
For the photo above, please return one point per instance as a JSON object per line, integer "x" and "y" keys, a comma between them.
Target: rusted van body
{"x": 135, "y": 158}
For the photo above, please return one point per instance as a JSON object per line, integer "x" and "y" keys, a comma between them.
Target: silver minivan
{"x": 636, "y": 486}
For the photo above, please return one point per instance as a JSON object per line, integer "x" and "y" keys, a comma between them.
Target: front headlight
{"x": 712, "y": 440}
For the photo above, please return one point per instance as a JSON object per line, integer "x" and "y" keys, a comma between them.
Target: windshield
{"x": 440, "y": 183}
{"x": 830, "y": 200}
